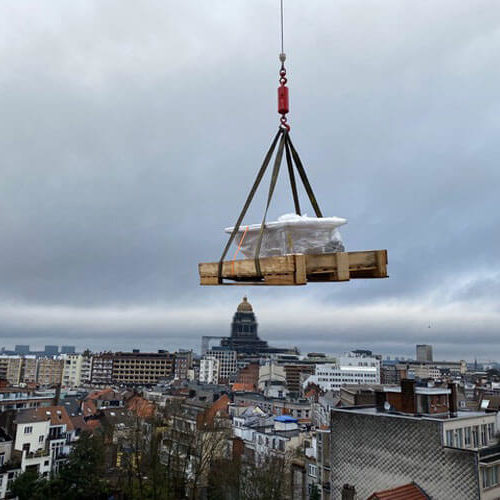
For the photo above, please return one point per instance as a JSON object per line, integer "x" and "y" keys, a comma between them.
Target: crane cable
{"x": 282, "y": 29}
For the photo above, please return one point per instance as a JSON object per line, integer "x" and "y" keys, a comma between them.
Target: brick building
{"x": 415, "y": 434}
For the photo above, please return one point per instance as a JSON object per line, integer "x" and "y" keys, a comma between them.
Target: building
{"x": 43, "y": 437}
{"x": 183, "y": 363}
{"x": 67, "y": 349}
{"x": 415, "y": 434}
{"x": 272, "y": 379}
{"x": 296, "y": 373}
{"x": 22, "y": 349}
{"x": 142, "y": 368}
{"x": 50, "y": 371}
{"x": 248, "y": 376}
{"x": 424, "y": 352}
{"x": 209, "y": 370}
{"x": 21, "y": 399}
{"x": 51, "y": 350}
{"x": 228, "y": 363}
{"x": 76, "y": 369}
{"x": 102, "y": 369}
{"x": 349, "y": 369}
{"x": 244, "y": 337}
{"x": 298, "y": 408}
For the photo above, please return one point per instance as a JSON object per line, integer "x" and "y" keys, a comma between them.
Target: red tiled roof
{"x": 88, "y": 408}
{"x": 142, "y": 407}
{"x": 407, "y": 492}
{"x": 56, "y": 414}
{"x": 80, "y": 423}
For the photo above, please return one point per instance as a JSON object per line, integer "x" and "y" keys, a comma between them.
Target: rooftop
{"x": 406, "y": 492}
{"x": 372, "y": 410}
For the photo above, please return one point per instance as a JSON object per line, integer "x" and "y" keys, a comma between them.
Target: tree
{"x": 27, "y": 486}
{"x": 82, "y": 476}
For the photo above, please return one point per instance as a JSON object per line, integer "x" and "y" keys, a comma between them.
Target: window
{"x": 2, "y": 459}
{"x": 459, "y": 438}
{"x": 475, "y": 436}
{"x": 491, "y": 431}
{"x": 467, "y": 436}
{"x": 312, "y": 470}
{"x": 28, "y": 429}
{"x": 484, "y": 435}
{"x": 490, "y": 476}
{"x": 449, "y": 438}
{"x": 40, "y": 439}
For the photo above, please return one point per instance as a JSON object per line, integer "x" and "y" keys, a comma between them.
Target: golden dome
{"x": 245, "y": 306}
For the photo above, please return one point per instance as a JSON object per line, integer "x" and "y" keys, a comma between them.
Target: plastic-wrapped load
{"x": 292, "y": 233}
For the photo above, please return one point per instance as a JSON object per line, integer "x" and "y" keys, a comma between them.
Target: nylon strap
{"x": 304, "y": 179}
{"x": 292, "y": 177}
{"x": 250, "y": 196}
{"x": 272, "y": 185}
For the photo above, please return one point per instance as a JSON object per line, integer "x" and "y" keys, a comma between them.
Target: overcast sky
{"x": 130, "y": 133}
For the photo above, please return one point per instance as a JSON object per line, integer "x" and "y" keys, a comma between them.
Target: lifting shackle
{"x": 283, "y": 106}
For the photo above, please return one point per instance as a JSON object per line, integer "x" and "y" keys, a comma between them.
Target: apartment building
{"x": 20, "y": 399}
{"x": 228, "y": 365}
{"x": 183, "y": 364}
{"x": 142, "y": 368}
{"x": 415, "y": 434}
{"x": 349, "y": 369}
{"x": 76, "y": 369}
{"x": 209, "y": 370}
{"x": 43, "y": 438}
{"x": 50, "y": 371}
{"x": 102, "y": 369}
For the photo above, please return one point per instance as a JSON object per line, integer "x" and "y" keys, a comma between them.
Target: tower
{"x": 244, "y": 337}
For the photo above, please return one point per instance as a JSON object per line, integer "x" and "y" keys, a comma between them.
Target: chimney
{"x": 348, "y": 492}
{"x": 380, "y": 399}
{"x": 57, "y": 395}
{"x": 408, "y": 396}
{"x": 452, "y": 400}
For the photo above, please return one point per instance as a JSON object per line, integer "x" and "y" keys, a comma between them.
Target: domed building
{"x": 244, "y": 338}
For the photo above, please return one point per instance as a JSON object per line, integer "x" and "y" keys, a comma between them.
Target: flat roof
{"x": 372, "y": 410}
{"x": 422, "y": 390}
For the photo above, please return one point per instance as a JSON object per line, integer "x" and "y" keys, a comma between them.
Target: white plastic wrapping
{"x": 292, "y": 233}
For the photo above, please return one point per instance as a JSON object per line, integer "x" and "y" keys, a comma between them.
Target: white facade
{"x": 77, "y": 370}
{"x": 31, "y": 436}
{"x": 209, "y": 370}
{"x": 348, "y": 369}
{"x": 272, "y": 380}
{"x": 228, "y": 365}
{"x": 6, "y": 479}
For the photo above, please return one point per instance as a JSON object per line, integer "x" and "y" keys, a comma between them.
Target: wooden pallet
{"x": 299, "y": 269}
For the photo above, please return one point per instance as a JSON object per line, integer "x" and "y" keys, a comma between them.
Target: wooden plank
{"x": 298, "y": 269}
{"x": 342, "y": 259}
{"x": 283, "y": 264}
{"x": 381, "y": 256}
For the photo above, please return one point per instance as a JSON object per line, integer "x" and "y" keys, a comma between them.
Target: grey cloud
{"x": 130, "y": 135}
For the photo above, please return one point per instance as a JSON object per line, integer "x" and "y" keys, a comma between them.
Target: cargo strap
{"x": 285, "y": 146}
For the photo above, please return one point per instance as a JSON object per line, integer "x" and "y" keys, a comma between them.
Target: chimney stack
{"x": 380, "y": 399}
{"x": 453, "y": 403}
{"x": 349, "y": 492}
{"x": 408, "y": 400}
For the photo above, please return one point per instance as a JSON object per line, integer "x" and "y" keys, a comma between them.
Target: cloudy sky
{"x": 130, "y": 133}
